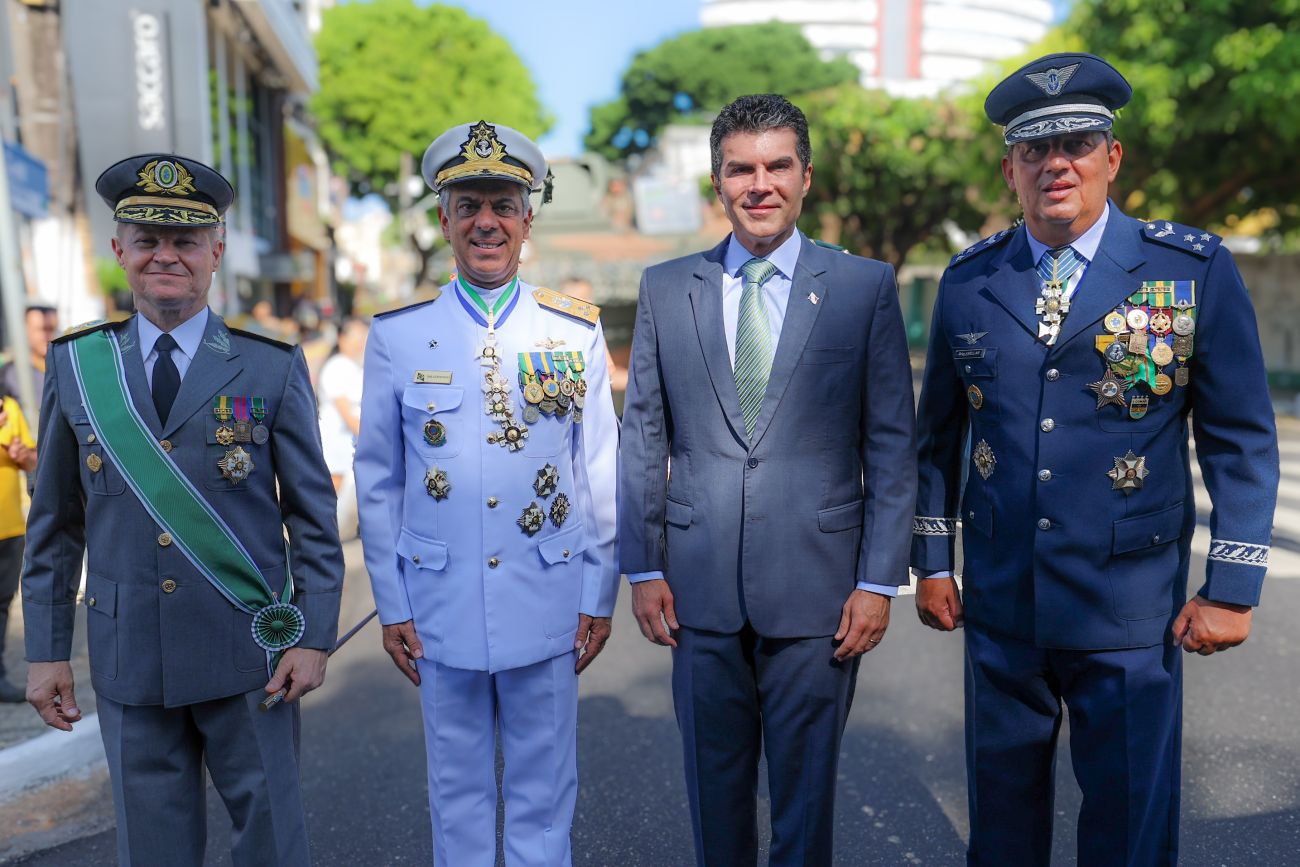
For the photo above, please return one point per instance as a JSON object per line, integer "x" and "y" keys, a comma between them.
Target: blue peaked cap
{"x": 1057, "y": 94}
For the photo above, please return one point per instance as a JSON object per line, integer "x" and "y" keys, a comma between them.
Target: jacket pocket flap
{"x": 973, "y": 366}
{"x": 564, "y": 545}
{"x": 432, "y": 398}
{"x": 101, "y": 595}
{"x": 678, "y": 514}
{"x": 1145, "y": 531}
{"x": 421, "y": 552}
{"x": 838, "y": 518}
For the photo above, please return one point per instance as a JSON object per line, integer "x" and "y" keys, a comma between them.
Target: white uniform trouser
{"x": 536, "y": 709}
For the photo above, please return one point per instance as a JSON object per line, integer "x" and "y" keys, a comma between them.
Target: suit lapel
{"x": 706, "y": 306}
{"x": 1014, "y": 283}
{"x": 213, "y": 366}
{"x": 136, "y": 380}
{"x": 800, "y": 316}
{"x": 1108, "y": 280}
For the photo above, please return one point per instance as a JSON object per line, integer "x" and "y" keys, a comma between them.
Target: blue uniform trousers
{"x": 737, "y": 694}
{"x": 156, "y": 756}
{"x": 535, "y": 707}
{"x": 1125, "y": 711}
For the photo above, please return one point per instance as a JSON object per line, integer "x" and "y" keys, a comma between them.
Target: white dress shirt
{"x": 188, "y": 335}
{"x": 776, "y": 297}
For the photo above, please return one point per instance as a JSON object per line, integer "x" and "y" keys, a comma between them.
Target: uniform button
{"x": 1155, "y": 540}
{"x": 164, "y": 539}
{"x": 1044, "y": 475}
{"x": 166, "y": 445}
{"x": 90, "y": 601}
{"x": 432, "y": 407}
{"x": 168, "y": 586}
{"x": 971, "y": 514}
{"x": 1053, "y": 375}
{"x": 1048, "y": 425}
{"x": 493, "y": 563}
{"x": 752, "y": 462}
{"x": 492, "y": 502}
{"x": 415, "y": 558}
{"x": 967, "y": 368}
{"x": 91, "y": 439}
{"x": 565, "y": 552}
{"x": 1044, "y": 524}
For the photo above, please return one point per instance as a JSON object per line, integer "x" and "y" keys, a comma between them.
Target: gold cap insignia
{"x": 484, "y": 154}
{"x": 167, "y": 178}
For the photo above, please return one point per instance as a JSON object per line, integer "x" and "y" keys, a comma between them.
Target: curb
{"x": 51, "y": 757}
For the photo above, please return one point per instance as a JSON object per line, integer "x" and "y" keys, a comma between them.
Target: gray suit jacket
{"x": 777, "y": 529}
{"x": 158, "y": 632}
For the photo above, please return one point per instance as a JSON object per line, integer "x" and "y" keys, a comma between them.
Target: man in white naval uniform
{"x": 485, "y": 475}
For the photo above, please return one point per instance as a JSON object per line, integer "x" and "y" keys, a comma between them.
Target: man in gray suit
{"x": 773, "y": 373}
{"x": 162, "y": 440}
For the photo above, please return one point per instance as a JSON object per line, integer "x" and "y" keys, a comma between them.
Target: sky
{"x": 578, "y": 49}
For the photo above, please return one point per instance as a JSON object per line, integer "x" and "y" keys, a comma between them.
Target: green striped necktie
{"x": 753, "y": 341}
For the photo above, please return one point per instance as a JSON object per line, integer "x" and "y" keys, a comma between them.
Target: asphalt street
{"x": 902, "y": 787}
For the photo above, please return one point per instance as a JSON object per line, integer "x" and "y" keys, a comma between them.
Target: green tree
{"x": 885, "y": 172}
{"x": 689, "y": 77}
{"x": 393, "y": 75}
{"x": 1214, "y": 126}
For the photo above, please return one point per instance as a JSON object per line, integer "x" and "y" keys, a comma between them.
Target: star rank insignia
{"x": 984, "y": 459}
{"x": 1128, "y": 473}
{"x": 1109, "y": 389}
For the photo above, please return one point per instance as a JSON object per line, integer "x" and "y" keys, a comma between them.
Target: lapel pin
{"x": 433, "y": 344}
{"x": 812, "y": 296}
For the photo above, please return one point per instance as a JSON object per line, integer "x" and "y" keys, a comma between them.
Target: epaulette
{"x": 278, "y": 344}
{"x": 829, "y": 246}
{"x": 84, "y": 328}
{"x": 437, "y": 293}
{"x": 567, "y": 305}
{"x": 980, "y": 246}
{"x": 1185, "y": 238}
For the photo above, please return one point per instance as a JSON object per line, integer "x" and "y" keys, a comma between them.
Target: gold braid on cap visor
{"x": 160, "y": 209}
{"x": 484, "y": 154}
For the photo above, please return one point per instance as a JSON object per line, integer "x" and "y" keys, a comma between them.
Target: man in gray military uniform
{"x": 485, "y": 482}
{"x": 162, "y": 440}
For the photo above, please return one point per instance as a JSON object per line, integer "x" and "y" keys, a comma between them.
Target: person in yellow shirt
{"x": 17, "y": 452}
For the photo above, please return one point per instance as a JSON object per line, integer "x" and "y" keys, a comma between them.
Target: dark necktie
{"x": 166, "y": 378}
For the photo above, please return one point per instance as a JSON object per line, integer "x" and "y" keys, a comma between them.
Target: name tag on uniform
{"x": 967, "y": 353}
{"x": 436, "y": 377}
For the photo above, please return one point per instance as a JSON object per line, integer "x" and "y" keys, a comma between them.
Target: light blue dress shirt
{"x": 188, "y": 335}
{"x": 776, "y": 296}
{"x": 1085, "y": 248}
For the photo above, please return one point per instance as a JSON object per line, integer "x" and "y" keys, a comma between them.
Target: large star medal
{"x": 1128, "y": 473}
{"x": 532, "y": 520}
{"x": 1109, "y": 389}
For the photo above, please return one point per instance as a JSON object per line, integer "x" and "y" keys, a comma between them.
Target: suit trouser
{"x": 156, "y": 756}
{"x": 1125, "y": 711}
{"x": 536, "y": 709}
{"x": 11, "y": 566}
{"x": 737, "y": 694}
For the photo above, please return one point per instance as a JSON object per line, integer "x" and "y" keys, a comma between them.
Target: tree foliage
{"x": 393, "y": 75}
{"x": 885, "y": 170}
{"x": 690, "y": 77}
{"x": 1214, "y": 125}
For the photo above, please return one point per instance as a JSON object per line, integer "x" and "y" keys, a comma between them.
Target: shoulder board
{"x": 437, "y": 293}
{"x": 1195, "y": 241}
{"x": 567, "y": 305}
{"x": 83, "y": 329}
{"x": 829, "y": 246}
{"x": 278, "y": 344}
{"x": 980, "y": 246}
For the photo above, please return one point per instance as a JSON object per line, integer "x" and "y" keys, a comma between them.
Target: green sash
{"x": 171, "y": 498}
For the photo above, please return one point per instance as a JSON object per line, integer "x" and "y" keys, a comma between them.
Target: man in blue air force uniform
{"x": 773, "y": 373}
{"x": 163, "y": 438}
{"x": 485, "y": 482}
{"x": 1068, "y": 359}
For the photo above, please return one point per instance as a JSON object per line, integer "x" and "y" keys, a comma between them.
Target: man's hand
{"x": 862, "y": 625}
{"x": 1207, "y": 627}
{"x": 938, "y": 603}
{"x": 49, "y": 690}
{"x": 301, "y": 670}
{"x": 652, "y": 605}
{"x": 403, "y": 645}
{"x": 593, "y": 632}
{"x": 24, "y": 457}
